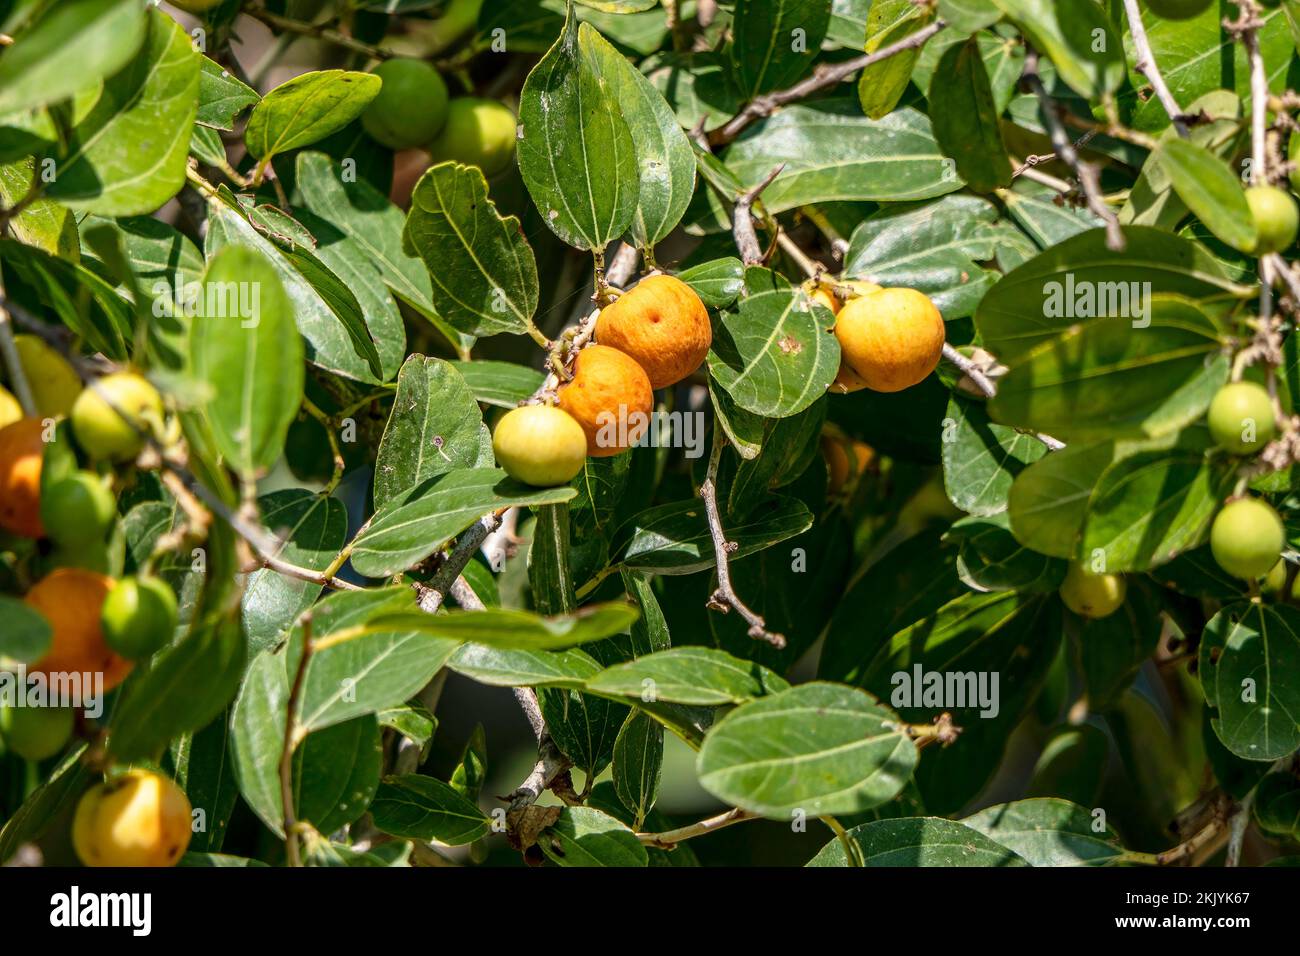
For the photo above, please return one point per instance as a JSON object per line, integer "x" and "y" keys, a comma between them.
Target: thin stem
{"x": 852, "y": 852}
{"x": 668, "y": 839}
{"x": 293, "y": 735}
{"x": 724, "y": 597}
{"x": 319, "y": 32}
{"x": 1146, "y": 65}
{"x": 17, "y": 376}
{"x": 742, "y": 223}
{"x": 336, "y": 450}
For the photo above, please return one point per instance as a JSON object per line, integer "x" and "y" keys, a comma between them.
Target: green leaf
{"x": 1112, "y": 649}
{"x": 1048, "y": 501}
{"x": 306, "y": 109}
{"x": 502, "y": 384}
{"x": 817, "y": 748}
{"x": 1080, "y": 278}
{"x": 222, "y": 96}
{"x": 981, "y": 459}
{"x": 969, "y": 16}
{"x": 1152, "y": 506}
{"x": 43, "y": 223}
{"x": 718, "y": 282}
{"x": 369, "y": 673}
{"x": 435, "y": 428}
{"x": 586, "y": 837}
{"x": 484, "y": 275}
{"x": 774, "y": 42}
{"x": 187, "y": 684}
{"x": 663, "y": 153}
{"x": 127, "y": 156}
{"x": 688, "y": 675}
{"x": 1249, "y": 662}
{"x": 328, "y": 315}
{"x": 467, "y": 779}
{"x": 989, "y": 557}
{"x": 311, "y": 528}
{"x": 201, "y": 763}
{"x": 245, "y": 347}
{"x": 1004, "y": 61}
{"x": 372, "y": 226}
{"x": 834, "y": 153}
{"x": 1090, "y": 62}
{"x": 1103, "y": 379}
{"x": 918, "y": 841}
{"x": 1046, "y": 222}
{"x": 1047, "y": 832}
{"x": 881, "y": 85}
{"x": 66, "y": 782}
{"x": 1211, "y": 191}
{"x": 638, "y": 761}
{"x": 776, "y": 354}
{"x": 521, "y": 630}
{"x": 412, "y": 526}
{"x": 745, "y": 430}
{"x": 27, "y": 633}
{"x": 507, "y": 667}
{"x": 965, "y": 119}
{"x": 68, "y": 47}
{"x": 575, "y": 150}
{"x": 424, "y": 808}
{"x": 932, "y": 247}
{"x": 674, "y": 538}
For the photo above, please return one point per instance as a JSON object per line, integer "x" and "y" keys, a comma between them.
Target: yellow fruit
{"x": 824, "y": 297}
{"x": 10, "y": 409}
{"x": 479, "y": 133}
{"x": 71, "y": 599}
{"x": 610, "y": 398}
{"x": 21, "y": 454}
{"x": 137, "y": 819}
{"x": 1092, "y": 595}
{"x": 539, "y": 445}
{"x": 97, "y": 416}
{"x": 847, "y": 380}
{"x": 892, "y": 338}
{"x": 662, "y": 324}
{"x": 55, "y": 384}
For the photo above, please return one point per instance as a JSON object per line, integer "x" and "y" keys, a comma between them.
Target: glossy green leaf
{"x": 483, "y": 272}
{"x": 663, "y": 153}
{"x": 774, "y": 42}
{"x": 127, "y": 156}
{"x": 306, "y": 109}
{"x": 965, "y": 119}
{"x": 27, "y": 633}
{"x": 674, "y": 538}
{"x": 222, "y": 96}
{"x": 203, "y": 770}
{"x": 688, "y": 675}
{"x": 718, "y": 283}
{"x": 521, "y": 630}
{"x": 1047, "y": 832}
{"x": 881, "y": 85}
{"x": 502, "y": 384}
{"x": 981, "y": 459}
{"x": 586, "y": 837}
{"x": 817, "y": 748}
{"x": 244, "y": 339}
{"x": 775, "y": 354}
{"x": 1078, "y": 36}
{"x": 415, "y": 524}
{"x": 575, "y": 150}
{"x": 1211, "y": 191}
{"x": 969, "y": 15}
{"x": 638, "y": 762}
{"x": 918, "y": 841}
{"x": 511, "y": 667}
{"x": 435, "y": 428}
{"x": 424, "y": 808}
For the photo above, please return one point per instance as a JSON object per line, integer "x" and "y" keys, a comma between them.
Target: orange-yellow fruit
{"x": 71, "y": 599}
{"x": 846, "y": 461}
{"x": 892, "y": 338}
{"x": 539, "y": 445}
{"x": 137, "y": 819}
{"x": 21, "y": 451}
{"x": 846, "y": 380}
{"x": 610, "y": 397}
{"x": 662, "y": 324}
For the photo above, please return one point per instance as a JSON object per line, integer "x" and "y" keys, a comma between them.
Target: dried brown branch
{"x": 742, "y": 220}
{"x": 1145, "y": 64}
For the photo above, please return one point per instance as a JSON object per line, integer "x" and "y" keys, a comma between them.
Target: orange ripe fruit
{"x": 610, "y": 397}
{"x": 662, "y": 324}
{"x": 21, "y": 453}
{"x": 892, "y": 338}
{"x": 71, "y": 600}
{"x": 846, "y": 461}
{"x": 846, "y": 380}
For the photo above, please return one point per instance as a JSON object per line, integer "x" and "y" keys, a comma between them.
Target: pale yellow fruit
{"x": 55, "y": 384}
{"x": 539, "y": 445}
{"x": 137, "y": 819}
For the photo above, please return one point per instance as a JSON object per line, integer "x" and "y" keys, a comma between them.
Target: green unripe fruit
{"x": 36, "y": 733}
{"x": 1276, "y": 217}
{"x": 138, "y": 616}
{"x": 411, "y": 106}
{"x": 77, "y": 510}
{"x": 1241, "y": 418}
{"x": 1247, "y": 537}
{"x": 97, "y": 415}
{"x": 1178, "y": 9}
{"x": 478, "y": 133}
{"x": 459, "y": 17}
{"x": 1092, "y": 595}
{"x": 540, "y": 445}
{"x": 1277, "y": 803}
{"x": 1275, "y": 581}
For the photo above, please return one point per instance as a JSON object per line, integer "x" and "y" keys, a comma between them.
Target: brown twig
{"x": 435, "y": 592}
{"x": 823, "y": 76}
{"x": 742, "y": 221}
{"x": 983, "y": 384}
{"x": 319, "y": 32}
{"x": 1145, "y": 63}
{"x": 724, "y": 597}
{"x": 1087, "y": 174}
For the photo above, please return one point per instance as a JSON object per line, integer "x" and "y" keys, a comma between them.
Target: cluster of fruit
{"x": 650, "y": 337}
{"x": 414, "y": 109}
{"x": 98, "y": 625}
